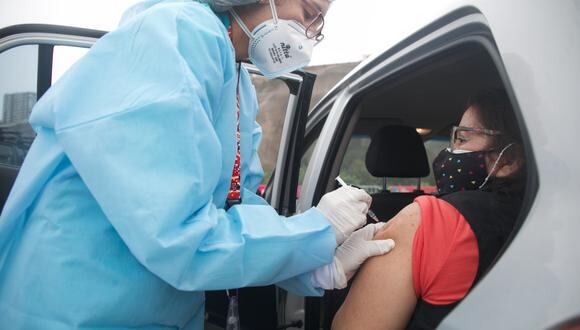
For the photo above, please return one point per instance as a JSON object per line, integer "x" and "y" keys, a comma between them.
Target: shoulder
{"x": 484, "y": 207}
{"x": 201, "y": 16}
{"x": 471, "y": 198}
{"x": 168, "y": 8}
{"x": 188, "y": 37}
{"x": 427, "y": 217}
{"x": 403, "y": 225}
{"x": 441, "y": 220}
{"x": 176, "y": 19}
{"x": 428, "y": 210}
{"x": 425, "y": 208}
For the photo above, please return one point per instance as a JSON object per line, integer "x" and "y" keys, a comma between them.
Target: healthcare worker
{"x": 138, "y": 191}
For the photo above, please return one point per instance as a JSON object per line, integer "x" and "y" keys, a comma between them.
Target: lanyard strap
{"x": 234, "y": 196}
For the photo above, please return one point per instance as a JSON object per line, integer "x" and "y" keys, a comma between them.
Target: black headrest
{"x": 397, "y": 152}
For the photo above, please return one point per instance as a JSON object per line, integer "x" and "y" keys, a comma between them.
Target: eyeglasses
{"x": 457, "y": 137}
{"x": 314, "y": 29}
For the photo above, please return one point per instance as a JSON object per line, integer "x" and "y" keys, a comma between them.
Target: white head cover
{"x": 223, "y": 5}
{"x": 216, "y": 5}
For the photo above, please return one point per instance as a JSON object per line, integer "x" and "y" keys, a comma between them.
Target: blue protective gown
{"x": 117, "y": 217}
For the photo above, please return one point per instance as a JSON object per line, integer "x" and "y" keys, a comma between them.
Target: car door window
{"x": 273, "y": 100}
{"x": 305, "y": 160}
{"x": 18, "y": 84}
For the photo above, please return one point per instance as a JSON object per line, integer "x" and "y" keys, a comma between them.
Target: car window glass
{"x": 18, "y": 83}
{"x": 273, "y": 100}
{"x": 354, "y": 171}
{"x": 63, "y": 58}
{"x": 433, "y": 147}
{"x": 305, "y": 160}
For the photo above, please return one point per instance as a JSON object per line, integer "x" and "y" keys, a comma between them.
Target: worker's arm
{"x": 382, "y": 295}
{"x": 303, "y": 283}
{"x": 141, "y": 132}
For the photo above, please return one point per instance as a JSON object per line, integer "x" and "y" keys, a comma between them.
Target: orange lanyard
{"x": 234, "y": 196}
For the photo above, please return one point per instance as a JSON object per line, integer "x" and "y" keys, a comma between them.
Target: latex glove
{"x": 345, "y": 208}
{"x": 350, "y": 256}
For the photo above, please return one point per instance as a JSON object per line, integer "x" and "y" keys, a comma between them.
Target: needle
{"x": 370, "y": 212}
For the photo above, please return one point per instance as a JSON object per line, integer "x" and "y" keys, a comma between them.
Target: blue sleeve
{"x": 135, "y": 118}
{"x": 301, "y": 285}
{"x": 255, "y": 173}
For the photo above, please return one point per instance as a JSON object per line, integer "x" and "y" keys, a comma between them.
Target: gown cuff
{"x": 329, "y": 277}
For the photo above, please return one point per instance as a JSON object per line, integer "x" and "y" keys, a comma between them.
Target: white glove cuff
{"x": 330, "y": 276}
{"x": 340, "y": 279}
{"x": 323, "y": 277}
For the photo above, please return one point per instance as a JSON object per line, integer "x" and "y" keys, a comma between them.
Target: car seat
{"x": 396, "y": 151}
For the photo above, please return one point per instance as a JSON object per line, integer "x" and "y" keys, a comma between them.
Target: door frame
{"x": 466, "y": 24}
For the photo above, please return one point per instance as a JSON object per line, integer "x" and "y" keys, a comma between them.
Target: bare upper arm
{"x": 382, "y": 295}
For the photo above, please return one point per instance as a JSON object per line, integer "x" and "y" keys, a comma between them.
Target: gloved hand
{"x": 350, "y": 256}
{"x": 345, "y": 208}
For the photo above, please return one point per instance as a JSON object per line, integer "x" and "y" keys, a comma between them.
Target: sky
{"x": 354, "y": 28}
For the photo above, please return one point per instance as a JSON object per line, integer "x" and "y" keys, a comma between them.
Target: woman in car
{"x": 445, "y": 243}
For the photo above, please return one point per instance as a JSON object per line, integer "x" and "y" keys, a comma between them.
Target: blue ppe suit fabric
{"x": 117, "y": 218}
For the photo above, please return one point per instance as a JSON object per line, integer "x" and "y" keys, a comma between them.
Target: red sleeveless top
{"x": 445, "y": 253}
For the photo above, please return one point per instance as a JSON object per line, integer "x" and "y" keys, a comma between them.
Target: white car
{"x": 530, "y": 48}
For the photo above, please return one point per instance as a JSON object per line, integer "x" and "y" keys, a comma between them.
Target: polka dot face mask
{"x": 459, "y": 170}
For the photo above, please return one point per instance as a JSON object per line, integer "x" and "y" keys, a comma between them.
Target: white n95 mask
{"x": 277, "y": 46}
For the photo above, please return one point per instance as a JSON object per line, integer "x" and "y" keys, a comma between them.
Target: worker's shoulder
{"x": 191, "y": 12}
{"x": 190, "y": 16}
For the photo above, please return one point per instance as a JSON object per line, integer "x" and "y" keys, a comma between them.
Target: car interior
{"x": 405, "y": 121}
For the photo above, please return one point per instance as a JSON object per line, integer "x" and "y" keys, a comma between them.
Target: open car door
{"x": 33, "y": 56}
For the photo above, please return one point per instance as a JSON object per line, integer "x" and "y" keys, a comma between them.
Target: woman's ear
{"x": 509, "y": 168}
{"x": 510, "y": 163}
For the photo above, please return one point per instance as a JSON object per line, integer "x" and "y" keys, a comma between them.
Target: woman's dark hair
{"x": 495, "y": 112}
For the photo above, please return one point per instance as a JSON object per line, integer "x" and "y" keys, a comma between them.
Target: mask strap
{"x": 495, "y": 164}
{"x": 244, "y": 27}
{"x": 274, "y": 12}
{"x": 241, "y": 23}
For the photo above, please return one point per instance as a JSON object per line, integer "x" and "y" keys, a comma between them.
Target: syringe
{"x": 370, "y": 212}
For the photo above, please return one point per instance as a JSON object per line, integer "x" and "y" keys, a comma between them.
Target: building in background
{"x": 17, "y": 107}
{"x": 16, "y": 135}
